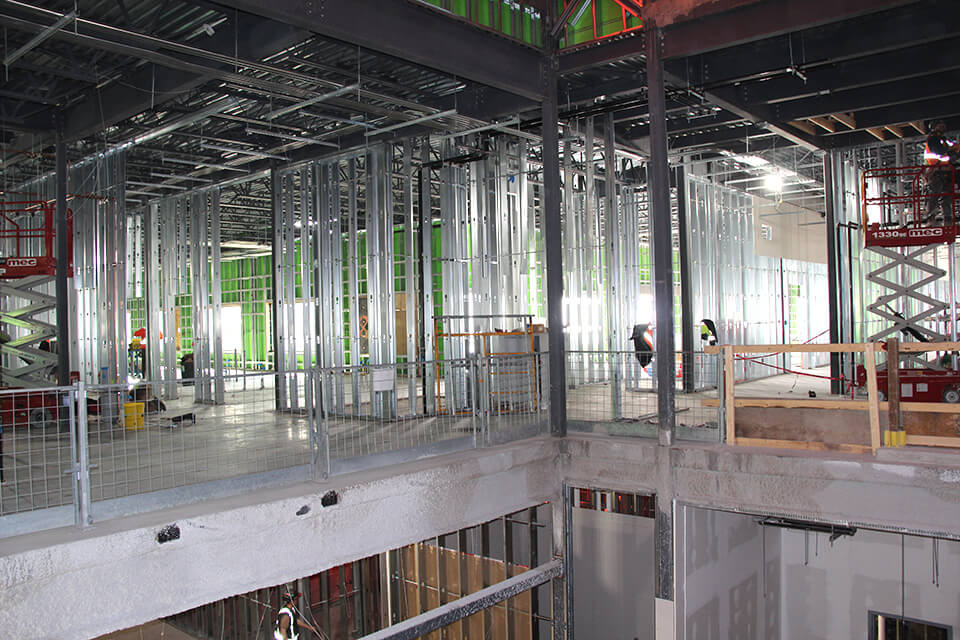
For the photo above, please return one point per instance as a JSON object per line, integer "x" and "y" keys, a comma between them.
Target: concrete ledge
{"x": 912, "y": 490}
{"x": 118, "y": 575}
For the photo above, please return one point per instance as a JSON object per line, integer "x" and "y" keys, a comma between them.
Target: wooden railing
{"x": 869, "y": 441}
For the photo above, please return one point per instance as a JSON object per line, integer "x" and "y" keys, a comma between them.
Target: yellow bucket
{"x": 133, "y": 415}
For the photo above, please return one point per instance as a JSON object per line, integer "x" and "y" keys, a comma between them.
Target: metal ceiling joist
{"x": 871, "y": 97}
{"x": 762, "y": 20}
{"x": 273, "y": 115}
{"x": 820, "y": 50}
{"x": 758, "y": 21}
{"x": 726, "y": 99}
{"x": 420, "y": 120}
{"x": 891, "y": 66}
{"x": 415, "y": 34}
{"x": 149, "y": 86}
{"x": 940, "y": 107}
{"x": 40, "y": 38}
{"x": 288, "y": 136}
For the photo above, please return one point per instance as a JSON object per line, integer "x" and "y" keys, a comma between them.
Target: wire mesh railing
{"x": 87, "y": 445}
{"x": 616, "y": 392}
{"x": 37, "y": 452}
{"x": 142, "y": 439}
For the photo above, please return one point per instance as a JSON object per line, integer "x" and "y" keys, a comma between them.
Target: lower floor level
{"x": 586, "y": 536}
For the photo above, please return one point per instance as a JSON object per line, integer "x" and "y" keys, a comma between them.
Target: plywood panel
{"x": 477, "y": 569}
{"x": 832, "y": 427}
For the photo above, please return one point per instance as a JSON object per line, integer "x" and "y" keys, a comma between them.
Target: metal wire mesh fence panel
{"x": 514, "y": 399}
{"x": 140, "y": 442}
{"x": 616, "y": 392}
{"x": 37, "y": 450}
{"x": 379, "y": 415}
{"x": 490, "y": 400}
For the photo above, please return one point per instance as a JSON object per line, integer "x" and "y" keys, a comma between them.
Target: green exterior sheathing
{"x": 602, "y": 19}
{"x": 521, "y": 23}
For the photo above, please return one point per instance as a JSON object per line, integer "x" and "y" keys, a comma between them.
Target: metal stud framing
{"x": 380, "y": 273}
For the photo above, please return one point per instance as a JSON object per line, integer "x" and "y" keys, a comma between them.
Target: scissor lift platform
{"x": 896, "y": 207}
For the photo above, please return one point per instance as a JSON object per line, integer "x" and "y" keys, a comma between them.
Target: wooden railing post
{"x": 728, "y": 381}
{"x": 895, "y": 416}
{"x": 873, "y": 397}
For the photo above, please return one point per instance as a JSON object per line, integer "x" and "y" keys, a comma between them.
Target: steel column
{"x": 658, "y": 172}
{"x": 553, "y": 242}
{"x": 63, "y": 300}
{"x": 833, "y": 275}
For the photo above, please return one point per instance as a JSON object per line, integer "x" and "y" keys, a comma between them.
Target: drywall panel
{"x": 730, "y": 583}
{"x": 828, "y": 589}
{"x": 788, "y": 232}
{"x": 613, "y": 576}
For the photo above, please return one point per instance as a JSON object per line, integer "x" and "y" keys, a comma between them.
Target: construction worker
{"x": 288, "y": 619}
{"x": 938, "y": 155}
{"x": 708, "y": 331}
{"x": 643, "y": 344}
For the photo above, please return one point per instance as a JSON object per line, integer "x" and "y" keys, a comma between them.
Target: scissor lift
{"x": 27, "y": 268}
{"x": 900, "y": 226}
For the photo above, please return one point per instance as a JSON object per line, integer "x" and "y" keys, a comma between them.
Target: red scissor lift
{"x": 28, "y": 233}
{"x": 903, "y": 218}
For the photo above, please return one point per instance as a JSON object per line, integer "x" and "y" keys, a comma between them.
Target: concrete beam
{"x": 898, "y": 489}
{"x": 118, "y": 575}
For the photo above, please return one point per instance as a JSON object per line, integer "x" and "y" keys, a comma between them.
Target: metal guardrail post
{"x": 475, "y": 404}
{"x": 486, "y": 395}
{"x": 84, "y": 516}
{"x": 325, "y": 433}
{"x": 721, "y": 394}
{"x": 310, "y": 385}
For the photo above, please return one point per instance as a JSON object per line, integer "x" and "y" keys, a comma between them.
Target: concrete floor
{"x": 590, "y": 406}
{"x": 245, "y": 435}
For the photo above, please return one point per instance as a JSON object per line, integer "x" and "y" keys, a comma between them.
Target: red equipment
{"x": 918, "y": 385}
{"x": 30, "y": 231}
{"x": 902, "y": 212}
{"x": 23, "y": 264}
{"x": 34, "y": 409}
{"x": 900, "y": 209}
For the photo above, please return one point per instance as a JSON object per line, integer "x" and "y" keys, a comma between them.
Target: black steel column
{"x": 688, "y": 328}
{"x": 658, "y": 194}
{"x": 833, "y": 273}
{"x": 63, "y": 263}
{"x": 554, "y": 248}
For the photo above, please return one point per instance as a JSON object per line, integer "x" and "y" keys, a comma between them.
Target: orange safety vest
{"x": 933, "y": 158}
